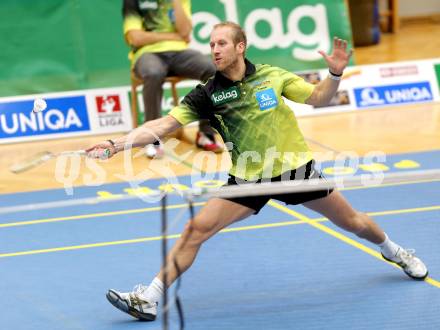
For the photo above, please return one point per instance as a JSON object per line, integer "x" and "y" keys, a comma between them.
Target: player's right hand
{"x": 102, "y": 150}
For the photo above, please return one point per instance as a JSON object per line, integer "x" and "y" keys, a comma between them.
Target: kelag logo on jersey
{"x": 224, "y": 96}
{"x": 393, "y": 94}
{"x": 63, "y": 114}
{"x": 266, "y": 99}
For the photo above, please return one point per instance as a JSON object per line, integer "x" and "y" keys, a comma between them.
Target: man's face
{"x": 223, "y": 52}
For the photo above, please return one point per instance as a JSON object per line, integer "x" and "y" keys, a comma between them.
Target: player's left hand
{"x": 338, "y": 60}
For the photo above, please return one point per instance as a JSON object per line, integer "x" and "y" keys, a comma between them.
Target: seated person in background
{"x": 158, "y": 33}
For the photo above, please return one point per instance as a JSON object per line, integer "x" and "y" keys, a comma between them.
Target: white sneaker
{"x": 411, "y": 265}
{"x": 133, "y": 303}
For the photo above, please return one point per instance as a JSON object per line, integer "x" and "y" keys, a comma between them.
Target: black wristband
{"x": 334, "y": 74}
{"x": 111, "y": 142}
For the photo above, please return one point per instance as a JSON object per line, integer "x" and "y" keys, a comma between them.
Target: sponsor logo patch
{"x": 266, "y": 99}
{"x": 261, "y": 84}
{"x": 225, "y": 96}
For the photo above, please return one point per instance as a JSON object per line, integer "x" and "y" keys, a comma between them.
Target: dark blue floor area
{"x": 289, "y": 277}
{"x": 292, "y": 277}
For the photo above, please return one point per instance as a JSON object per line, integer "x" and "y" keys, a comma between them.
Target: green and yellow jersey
{"x": 154, "y": 16}
{"x": 252, "y": 115}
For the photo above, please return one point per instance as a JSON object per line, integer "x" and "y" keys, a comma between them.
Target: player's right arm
{"x": 186, "y": 112}
{"x": 148, "y": 133}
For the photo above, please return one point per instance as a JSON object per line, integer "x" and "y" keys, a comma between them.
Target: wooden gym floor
{"x": 410, "y": 129}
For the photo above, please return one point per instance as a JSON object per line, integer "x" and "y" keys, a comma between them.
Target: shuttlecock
{"x": 39, "y": 105}
{"x": 150, "y": 151}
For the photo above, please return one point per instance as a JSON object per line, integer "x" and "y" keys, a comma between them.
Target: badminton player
{"x": 243, "y": 101}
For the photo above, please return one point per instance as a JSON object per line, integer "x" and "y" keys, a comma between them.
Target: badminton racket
{"x": 42, "y": 157}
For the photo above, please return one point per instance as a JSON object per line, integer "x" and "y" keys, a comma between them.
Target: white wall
{"x": 418, "y": 7}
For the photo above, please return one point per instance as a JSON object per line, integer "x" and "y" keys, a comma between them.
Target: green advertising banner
{"x": 437, "y": 73}
{"x": 280, "y": 32}
{"x": 53, "y": 45}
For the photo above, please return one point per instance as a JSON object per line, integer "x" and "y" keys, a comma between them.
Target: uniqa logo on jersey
{"x": 266, "y": 99}
{"x": 393, "y": 94}
{"x": 64, "y": 114}
{"x": 281, "y": 26}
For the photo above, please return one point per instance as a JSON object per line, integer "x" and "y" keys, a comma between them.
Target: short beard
{"x": 231, "y": 65}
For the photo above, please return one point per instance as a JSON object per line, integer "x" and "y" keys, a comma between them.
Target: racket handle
{"x": 104, "y": 154}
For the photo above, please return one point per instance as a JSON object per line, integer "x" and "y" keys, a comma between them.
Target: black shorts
{"x": 304, "y": 172}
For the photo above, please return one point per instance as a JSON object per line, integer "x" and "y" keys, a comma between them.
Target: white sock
{"x": 154, "y": 291}
{"x": 388, "y": 247}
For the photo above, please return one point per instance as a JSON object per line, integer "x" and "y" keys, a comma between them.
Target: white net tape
{"x": 250, "y": 189}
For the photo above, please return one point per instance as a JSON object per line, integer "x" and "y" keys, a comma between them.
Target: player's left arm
{"x": 337, "y": 61}
{"x": 182, "y": 12}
